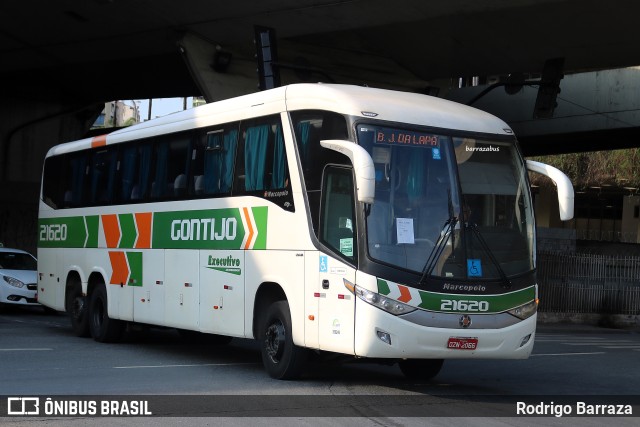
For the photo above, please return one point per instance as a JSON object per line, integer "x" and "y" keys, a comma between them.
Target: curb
{"x": 614, "y": 321}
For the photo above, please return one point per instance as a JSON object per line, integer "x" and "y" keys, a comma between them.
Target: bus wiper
{"x": 441, "y": 243}
{"x": 505, "y": 280}
{"x": 438, "y": 249}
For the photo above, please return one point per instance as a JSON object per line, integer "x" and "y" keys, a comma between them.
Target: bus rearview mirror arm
{"x": 563, "y": 184}
{"x": 362, "y": 166}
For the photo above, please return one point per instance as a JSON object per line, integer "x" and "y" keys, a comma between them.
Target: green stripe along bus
{"x": 337, "y": 219}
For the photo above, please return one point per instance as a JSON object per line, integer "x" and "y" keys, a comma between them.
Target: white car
{"x": 18, "y": 277}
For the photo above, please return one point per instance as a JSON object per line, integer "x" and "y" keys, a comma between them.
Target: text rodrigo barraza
{"x": 580, "y": 408}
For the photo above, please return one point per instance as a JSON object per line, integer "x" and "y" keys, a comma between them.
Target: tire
{"x": 102, "y": 327}
{"x": 281, "y": 358}
{"x": 78, "y": 310}
{"x": 423, "y": 369}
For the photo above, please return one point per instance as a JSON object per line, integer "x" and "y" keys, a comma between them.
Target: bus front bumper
{"x": 379, "y": 334}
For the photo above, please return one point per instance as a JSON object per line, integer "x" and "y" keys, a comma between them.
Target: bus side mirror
{"x": 562, "y": 182}
{"x": 362, "y": 166}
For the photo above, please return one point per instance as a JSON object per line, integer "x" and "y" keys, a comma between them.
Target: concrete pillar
{"x": 28, "y": 129}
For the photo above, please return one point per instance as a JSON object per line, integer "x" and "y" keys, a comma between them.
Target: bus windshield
{"x": 461, "y": 203}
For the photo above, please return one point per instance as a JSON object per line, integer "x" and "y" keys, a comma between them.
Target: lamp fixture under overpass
{"x": 221, "y": 60}
{"x": 548, "y": 88}
{"x": 267, "y": 57}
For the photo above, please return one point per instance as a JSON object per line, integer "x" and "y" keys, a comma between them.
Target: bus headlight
{"x": 13, "y": 282}
{"x": 380, "y": 301}
{"x": 526, "y": 310}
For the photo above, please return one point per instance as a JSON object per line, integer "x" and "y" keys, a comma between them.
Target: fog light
{"x": 525, "y": 340}
{"x": 384, "y": 337}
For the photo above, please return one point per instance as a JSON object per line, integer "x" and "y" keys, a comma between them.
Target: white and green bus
{"x": 336, "y": 219}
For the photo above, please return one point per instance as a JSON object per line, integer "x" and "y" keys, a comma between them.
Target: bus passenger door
{"x": 337, "y": 231}
{"x": 336, "y": 306}
{"x": 222, "y": 277}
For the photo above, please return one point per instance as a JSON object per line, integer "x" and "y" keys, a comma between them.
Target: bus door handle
{"x": 325, "y": 284}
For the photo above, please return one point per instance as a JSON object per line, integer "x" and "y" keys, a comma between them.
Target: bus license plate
{"x": 456, "y": 343}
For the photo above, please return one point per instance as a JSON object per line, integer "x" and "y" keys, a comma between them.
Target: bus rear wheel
{"x": 281, "y": 357}
{"x": 423, "y": 369}
{"x": 78, "y": 310}
{"x": 103, "y": 328}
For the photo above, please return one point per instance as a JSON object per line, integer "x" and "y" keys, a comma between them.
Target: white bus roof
{"x": 381, "y": 104}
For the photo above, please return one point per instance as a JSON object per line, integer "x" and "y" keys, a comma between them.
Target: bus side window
{"x": 262, "y": 159}
{"x": 179, "y": 168}
{"x": 75, "y": 190}
{"x": 256, "y": 142}
{"x": 338, "y": 211}
{"x": 214, "y": 161}
{"x": 129, "y": 190}
{"x": 56, "y": 181}
{"x": 159, "y": 183}
{"x": 310, "y": 128}
{"x": 102, "y": 177}
{"x": 172, "y": 166}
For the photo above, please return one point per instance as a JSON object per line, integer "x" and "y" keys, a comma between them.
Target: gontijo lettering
{"x": 204, "y": 229}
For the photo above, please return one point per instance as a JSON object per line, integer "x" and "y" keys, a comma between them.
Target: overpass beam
{"x": 219, "y": 73}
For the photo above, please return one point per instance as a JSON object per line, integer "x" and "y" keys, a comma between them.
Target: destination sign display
{"x": 405, "y": 137}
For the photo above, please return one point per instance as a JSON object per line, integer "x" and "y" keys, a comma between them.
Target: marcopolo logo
{"x": 228, "y": 264}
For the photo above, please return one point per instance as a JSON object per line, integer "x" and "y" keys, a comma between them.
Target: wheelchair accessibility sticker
{"x": 474, "y": 268}
{"x": 324, "y": 264}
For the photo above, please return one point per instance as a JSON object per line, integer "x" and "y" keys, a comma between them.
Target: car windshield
{"x": 419, "y": 212}
{"x": 17, "y": 261}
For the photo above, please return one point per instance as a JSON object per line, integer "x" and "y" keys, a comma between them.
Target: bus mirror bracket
{"x": 362, "y": 166}
{"x": 563, "y": 184}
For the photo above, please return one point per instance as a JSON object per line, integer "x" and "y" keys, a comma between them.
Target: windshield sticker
{"x": 435, "y": 153}
{"x": 474, "y": 268}
{"x": 404, "y": 230}
{"x": 346, "y": 246}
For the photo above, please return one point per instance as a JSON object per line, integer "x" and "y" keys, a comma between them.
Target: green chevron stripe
{"x": 260, "y": 217}
{"x": 93, "y": 223}
{"x": 127, "y": 230}
{"x": 135, "y": 268}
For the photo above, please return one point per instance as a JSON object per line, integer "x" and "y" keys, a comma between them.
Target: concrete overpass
{"x": 62, "y": 60}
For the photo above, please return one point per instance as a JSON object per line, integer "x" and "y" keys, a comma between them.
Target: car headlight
{"x": 13, "y": 281}
{"x": 380, "y": 301}
{"x": 526, "y": 310}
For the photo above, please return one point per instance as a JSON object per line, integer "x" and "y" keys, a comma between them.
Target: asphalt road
{"x": 39, "y": 356}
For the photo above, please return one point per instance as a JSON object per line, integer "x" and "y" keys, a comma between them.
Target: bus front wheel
{"x": 281, "y": 357}
{"x": 103, "y": 328}
{"x": 423, "y": 369}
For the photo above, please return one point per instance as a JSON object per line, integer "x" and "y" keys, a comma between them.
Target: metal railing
{"x": 589, "y": 283}
{"x": 607, "y": 236}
